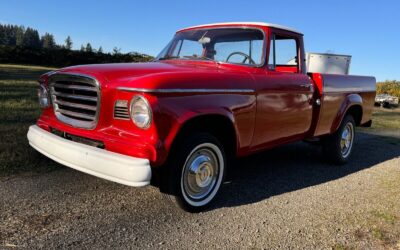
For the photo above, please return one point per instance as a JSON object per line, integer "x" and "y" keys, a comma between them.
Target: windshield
{"x": 230, "y": 45}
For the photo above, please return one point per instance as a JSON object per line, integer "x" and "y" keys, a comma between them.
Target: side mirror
{"x": 204, "y": 40}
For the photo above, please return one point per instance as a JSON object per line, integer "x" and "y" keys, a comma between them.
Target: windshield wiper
{"x": 207, "y": 58}
{"x": 198, "y": 58}
{"x": 167, "y": 58}
{"x": 185, "y": 58}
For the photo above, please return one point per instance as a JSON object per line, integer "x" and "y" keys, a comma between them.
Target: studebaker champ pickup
{"x": 214, "y": 93}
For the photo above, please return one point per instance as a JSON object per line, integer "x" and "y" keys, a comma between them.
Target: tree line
{"x": 388, "y": 87}
{"x": 22, "y": 45}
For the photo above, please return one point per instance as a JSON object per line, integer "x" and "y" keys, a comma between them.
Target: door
{"x": 284, "y": 94}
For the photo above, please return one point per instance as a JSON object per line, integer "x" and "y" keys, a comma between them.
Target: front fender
{"x": 349, "y": 101}
{"x": 174, "y": 111}
{"x": 189, "y": 115}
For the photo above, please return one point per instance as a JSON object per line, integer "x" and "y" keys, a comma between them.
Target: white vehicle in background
{"x": 385, "y": 100}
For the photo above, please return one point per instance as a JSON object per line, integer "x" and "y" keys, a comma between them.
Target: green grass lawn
{"x": 386, "y": 118}
{"x": 18, "y": 109}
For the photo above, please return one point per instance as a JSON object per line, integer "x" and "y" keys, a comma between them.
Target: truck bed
{"x": 335, "y": 92}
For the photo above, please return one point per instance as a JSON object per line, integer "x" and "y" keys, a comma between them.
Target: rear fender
{"x": 349, "y": 101}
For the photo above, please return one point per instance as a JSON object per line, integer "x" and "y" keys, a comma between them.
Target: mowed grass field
{"x": 19, "y": 109}
{"x": 386, "y": 118}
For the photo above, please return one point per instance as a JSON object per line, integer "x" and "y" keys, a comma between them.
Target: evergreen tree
{"x": 100, "y": 50}
{"x": 31, "y": 38}
{"x": 19, "y": 35}
{"x": 116, "y": 51}
{"x": 10, "y": 34}
{"x": 36, "y": 39}
{"x": 88, "y": 48}
{"x": 82, "y": 48}
{"x": 68, "y": 43}
{"x": 6, "y": 35}
{"x": 48, "y": 41}
{"x": 2, "y": 35}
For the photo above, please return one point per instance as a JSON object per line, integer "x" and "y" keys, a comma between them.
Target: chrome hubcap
{"x": 346, "y": 141}
{"x": 200, "y": 174}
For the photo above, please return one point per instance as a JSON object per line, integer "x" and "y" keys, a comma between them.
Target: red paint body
{"x": 277, "y": 111}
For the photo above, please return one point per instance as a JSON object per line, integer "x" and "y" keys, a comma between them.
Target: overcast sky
{"x": 367, "y": 30}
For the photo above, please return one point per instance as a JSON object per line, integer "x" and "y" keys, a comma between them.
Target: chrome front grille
{"x": 76, "y": 99}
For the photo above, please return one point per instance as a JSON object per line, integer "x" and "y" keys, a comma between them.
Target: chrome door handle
{"x": 307, "y": 85}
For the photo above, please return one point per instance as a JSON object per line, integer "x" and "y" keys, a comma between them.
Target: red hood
{"x": 166, "y": 74}
{"x": 127, "y": 72}
{"x": 114, "y": 71}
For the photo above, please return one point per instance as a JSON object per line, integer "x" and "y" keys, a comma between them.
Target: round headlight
{"x": 141, "y": 113}
{"x": 44, "y": 98}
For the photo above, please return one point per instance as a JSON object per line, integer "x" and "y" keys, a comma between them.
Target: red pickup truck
{"x": 214, "y": 93}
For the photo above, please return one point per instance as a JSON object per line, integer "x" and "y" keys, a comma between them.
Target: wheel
{"x": 386, "y": 105}
{"x": 194, "y": 173}
{"x": 338, "y": 147}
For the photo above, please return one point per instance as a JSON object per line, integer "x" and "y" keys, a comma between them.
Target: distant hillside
{"x": 20, "y": 45}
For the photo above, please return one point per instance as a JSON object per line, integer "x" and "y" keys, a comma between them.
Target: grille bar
{"x": 76, "y": 105}
{"x": 76, "y": 99}
{"x": 78, "y": 87}
{"x": 72, "y": 96}
{"x": 76, "y": 114}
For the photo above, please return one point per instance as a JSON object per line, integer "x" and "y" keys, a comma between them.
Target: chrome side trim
{"x": 145, "y": 90}
{"x": 355, "y": 91}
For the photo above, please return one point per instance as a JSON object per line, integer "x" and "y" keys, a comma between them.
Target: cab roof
{"x": 277, "y": 26}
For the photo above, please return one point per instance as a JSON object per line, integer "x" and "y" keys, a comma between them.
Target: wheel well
{"x": 356, "y": 112}
{"x": 219, "y": 126}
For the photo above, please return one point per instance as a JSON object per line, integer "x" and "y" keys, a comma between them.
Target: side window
{"x": 257, "y": 50}
{"x": 285, "y": 52}
{"x": 283, "y": 56}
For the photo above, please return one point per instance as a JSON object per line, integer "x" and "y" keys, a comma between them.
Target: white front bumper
{"x": 108, "y": 165}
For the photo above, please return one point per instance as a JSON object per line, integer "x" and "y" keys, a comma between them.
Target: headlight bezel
{"x": 43, "y": 94}
{"x": 136, "y": 101}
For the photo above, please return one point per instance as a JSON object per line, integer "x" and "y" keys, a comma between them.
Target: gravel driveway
{"x": 284, "y": 198}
